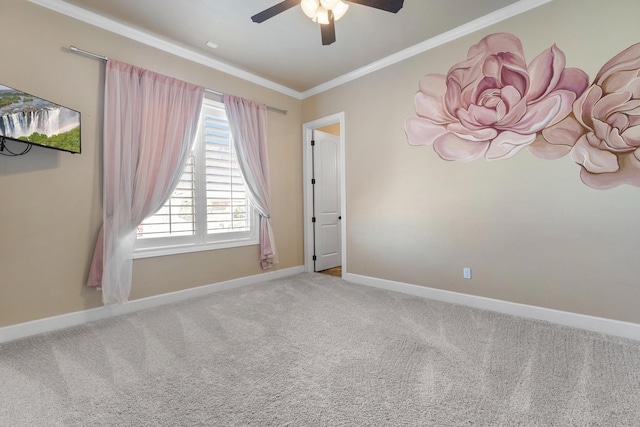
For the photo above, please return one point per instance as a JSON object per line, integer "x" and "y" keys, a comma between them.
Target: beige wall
{"x": 50, "y": 202}
{"x": 529, "y": 229}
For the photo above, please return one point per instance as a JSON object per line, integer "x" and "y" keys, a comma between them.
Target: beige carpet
{"x": 313, "y": 350}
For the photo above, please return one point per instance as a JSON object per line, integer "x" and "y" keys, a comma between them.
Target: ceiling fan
{"x": 326, "y": 12}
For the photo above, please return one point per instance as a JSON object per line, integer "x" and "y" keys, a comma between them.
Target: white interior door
{"x": 328, "y": 230}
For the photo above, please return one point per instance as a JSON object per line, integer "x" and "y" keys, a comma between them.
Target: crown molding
{"x": 458, "y": 32}
{"x": 156, "y": 42}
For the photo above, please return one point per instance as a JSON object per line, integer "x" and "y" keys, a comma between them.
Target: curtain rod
{"x": 215, "y": 92}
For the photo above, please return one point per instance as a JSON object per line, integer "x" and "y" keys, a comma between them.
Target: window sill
{"x": 189, "y": 248}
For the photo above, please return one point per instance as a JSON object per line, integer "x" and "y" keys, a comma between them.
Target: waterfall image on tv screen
{"x": 33, "y": 120}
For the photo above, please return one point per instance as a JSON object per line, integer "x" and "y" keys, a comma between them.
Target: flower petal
{"x": 541, "y": 148}
{"x": 583, "y": 106}
{"x": 477, "y": 117}
{"x": 574, "y": 80}
{"x": 516, "y": 78}
{"x": 487, "y": 88}
{"x": 484, "y": 134}
{"x": 431, "y": 108}
{"x": 616, "y": 142}
{"x": 500, "y": 42}
{"x": 566, "y": 132}
{"x": 628, "y": 59}
{"x": 628, "y": 173}
{"x": 433, "y": 84}
{"x": 610, "y": 136}
{"x": 539, "y": 115}
{"x": 513, "y": 103}
{"x": 545, "y": 71}
{"x": 618, "y": 71}
{"x": 507, "y": 144}
{"x": 630, "y": 108}
{"x": 618, "y": 121}
{"x": 420, "y": 131}
{"x": 593, "y": 159}
{"x": 451, "y": 147}
{"x": 430, "y": 103}
{"x": 634, "y": 120}
{"x": 632, "y": 136}
{"x": 601, "y": 129}
{"x": 517, "y": 110}
{"x": 453, "y": 97}
{"x": 461, "y": 80}
{"x": 567, "y": 98}
{"x": 469, "y": 70}
{"x": 634, "y": 87}
{"x": 610, "y": 103}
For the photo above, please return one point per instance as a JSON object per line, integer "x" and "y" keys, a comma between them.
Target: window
{"x": 209, "y": 208}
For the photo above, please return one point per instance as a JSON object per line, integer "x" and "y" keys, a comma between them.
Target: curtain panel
{"x": 150, "y": 124}
{"x": 248, "y": 122}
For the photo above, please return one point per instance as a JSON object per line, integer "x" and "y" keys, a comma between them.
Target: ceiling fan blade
{"x": 328, "y": 31}
{"x": 392, "y": 6}
{"x": 274, "y": 10}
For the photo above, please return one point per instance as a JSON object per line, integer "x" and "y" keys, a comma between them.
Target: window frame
{"x": 201, "y": 240}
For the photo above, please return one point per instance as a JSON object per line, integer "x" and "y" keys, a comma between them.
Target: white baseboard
{"x": 580, "y": 321}
{"x": 49, "y": 324}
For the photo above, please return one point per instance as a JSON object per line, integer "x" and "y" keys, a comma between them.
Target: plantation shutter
{"x": 177, "y": 216}
{"x": 209, "y": 207}
{"x": 227, "y": 203}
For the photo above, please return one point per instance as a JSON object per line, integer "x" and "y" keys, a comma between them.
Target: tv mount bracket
{"x": 5, "y": 151}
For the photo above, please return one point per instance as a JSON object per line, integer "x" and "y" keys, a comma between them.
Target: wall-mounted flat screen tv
{"x": 32, "y": 120}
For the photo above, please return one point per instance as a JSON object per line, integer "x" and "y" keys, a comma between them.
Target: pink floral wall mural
{"x": 493, "y": 105}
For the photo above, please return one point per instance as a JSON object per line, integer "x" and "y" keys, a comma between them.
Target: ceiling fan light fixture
{"x": 322, "y": 16}
{"x": 339, "y": 10}
{"x": 318, "y": 10}
{"x": 310, "y": 7}
{"x": 325, "y": 12}
{"x": 329, "y": 4}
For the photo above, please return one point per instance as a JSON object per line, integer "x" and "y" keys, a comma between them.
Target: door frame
{"x": 307, "y": 166}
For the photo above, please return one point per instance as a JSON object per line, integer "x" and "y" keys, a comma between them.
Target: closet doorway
{"x": 324, "y": 188}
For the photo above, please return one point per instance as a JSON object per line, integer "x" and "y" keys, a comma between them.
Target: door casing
{"x": 307, "y": 134}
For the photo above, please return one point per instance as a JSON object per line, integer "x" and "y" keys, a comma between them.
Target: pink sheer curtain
{"x": 248, "y": 122}
{"x": 150, "y": 123}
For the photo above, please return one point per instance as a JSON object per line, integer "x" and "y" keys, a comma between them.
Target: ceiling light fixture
{"x": 325, "y": 12}
{"x": 318, "y": 10}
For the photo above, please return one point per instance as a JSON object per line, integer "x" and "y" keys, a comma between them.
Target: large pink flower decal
{"x": 493, "y": 104}
{"x": 605, "y": 132}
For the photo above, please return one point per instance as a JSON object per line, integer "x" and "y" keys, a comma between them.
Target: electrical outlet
{"x": 466, "y": 273}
